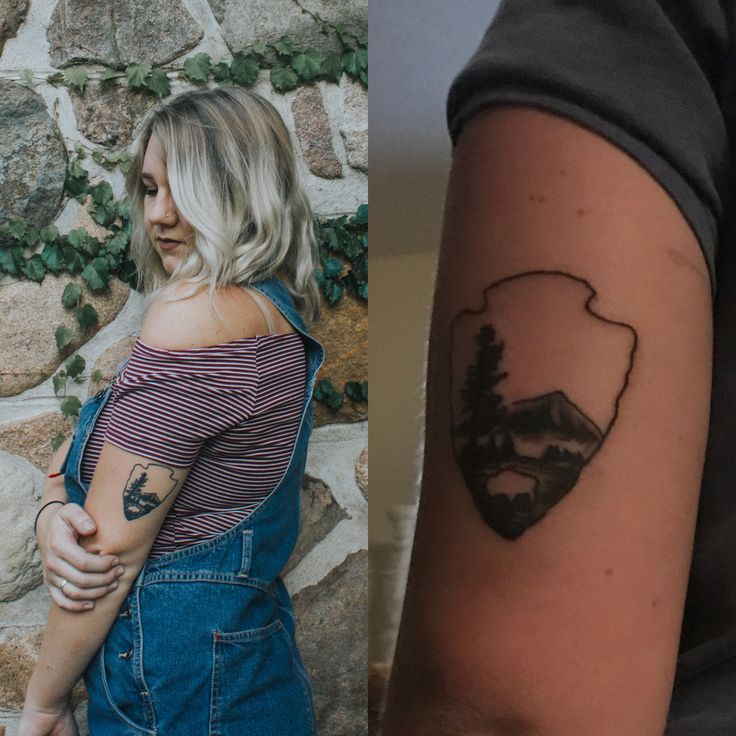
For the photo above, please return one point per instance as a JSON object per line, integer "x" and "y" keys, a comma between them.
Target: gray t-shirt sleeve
{"x": 648, "y": 75}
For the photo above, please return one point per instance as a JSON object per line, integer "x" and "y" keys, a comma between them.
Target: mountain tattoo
{"x": 147, "y": 488}
{"x": 542, "y": 376}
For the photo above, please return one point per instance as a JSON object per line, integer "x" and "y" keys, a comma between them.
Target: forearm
{"x": 53, "y": 490}
{"x": 70, "y": 641}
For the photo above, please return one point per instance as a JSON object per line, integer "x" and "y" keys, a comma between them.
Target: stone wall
{"x": 41, "y": 124}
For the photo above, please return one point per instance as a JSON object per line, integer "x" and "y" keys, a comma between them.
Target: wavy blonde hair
{"x": 233, "y": 175}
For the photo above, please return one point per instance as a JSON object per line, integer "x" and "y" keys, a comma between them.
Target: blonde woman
{"x": 189, "y": 463}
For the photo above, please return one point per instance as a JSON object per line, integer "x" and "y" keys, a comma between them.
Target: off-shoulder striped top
{"x": 229, "y": 412}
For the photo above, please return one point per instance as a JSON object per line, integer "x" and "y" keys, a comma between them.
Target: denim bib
{"x": 205, "y": 641}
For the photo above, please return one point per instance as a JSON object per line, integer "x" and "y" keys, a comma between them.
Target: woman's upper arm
{"x": 567, "y": 413}
{"x": 129, "y": 497}
{"x": 164, "y": 409}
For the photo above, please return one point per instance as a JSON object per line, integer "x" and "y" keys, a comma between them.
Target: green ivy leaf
{"x": 350, "y": 63}
{"x": 59, "y": 381}
{"x": 26, "y": 76}
{"x": 18, "y": 229}
{"x": 81, "y": 240}
{"x": 34, "y": 268}
{"x": 92, "y": 276}
{"x": 76, "y": 77}
{"x": 332, "y": 67}
{"x": 259, "y": 49}
{"x": 86, "y": 317}
{"x": 308, "y": 64}
{"x": 101, "y": 193}
{"x": 32, "y": 236}
{"x": 324, "y": 389}
{"x": 71, "y": 295}
{"x": 123, "y": 209}
{"x": 55, "y": 79}
{"x": 52, "y": 257}
{"x": 197, "y": 68}
{"x": 125, "y": 161}
{"x": 103, "y": 214}
{"x": 76, "y": 170}
{"x": 352, "y": 249}
{"x": 63, "y": 337}
{"x": 361, "y": 56}
{"x": 73, "y": 259}
{"x": 221, "y": 73}
{"x": 283, "y": 78}
{"x": 332, "y": 291}
{"x": 109, "y": 74}
{"x": 77, "y": 180}
{"x": 50, "y": 234}
{"x": 136, "y": 75}
{"x": 74, "y": 366}
{"x": 361, "y": 215}
{"x": 244, "y": 69}
{"x": 330, "y": 237}
{"x": 159, "y": 83}
{"x": 118, "y": 243}
{"x": 346, "y": 38}
{"x": 58, "y": 441}
{"x": 332, "y": 268}
{"x": 283, "y": 47}
{"x": 11, "y": 259}
{"x": 70, "y": 406}
{"x": 96, "y": 375}
{"x": 335, "y": 402}
{"x": 357, "y": 390}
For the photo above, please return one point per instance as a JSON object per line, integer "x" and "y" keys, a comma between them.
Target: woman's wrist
{"x": 39, "y": 702}
{"x": 43, "y": 513}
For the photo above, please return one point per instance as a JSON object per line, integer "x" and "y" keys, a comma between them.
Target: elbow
{"x": 106, "y": 544}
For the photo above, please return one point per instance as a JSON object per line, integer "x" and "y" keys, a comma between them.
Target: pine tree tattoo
{"x": 159, "y": 482}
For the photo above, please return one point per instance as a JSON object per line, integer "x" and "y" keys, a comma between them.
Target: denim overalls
{"x": 204, "y": 644}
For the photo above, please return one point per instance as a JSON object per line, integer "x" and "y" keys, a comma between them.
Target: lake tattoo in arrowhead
{"x": 537, "y": 380}
{"x": 147, "y": 488}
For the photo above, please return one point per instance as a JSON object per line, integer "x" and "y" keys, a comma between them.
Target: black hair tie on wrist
{"x": 39, "y": 513}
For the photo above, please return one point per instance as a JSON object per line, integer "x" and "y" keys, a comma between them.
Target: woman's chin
{"x": 169, "y": 263}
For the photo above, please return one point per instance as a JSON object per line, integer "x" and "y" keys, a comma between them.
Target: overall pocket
{"x": 257, "y": 685}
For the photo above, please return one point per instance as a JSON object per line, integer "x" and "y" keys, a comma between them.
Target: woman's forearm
{"x": 70, "y": 641}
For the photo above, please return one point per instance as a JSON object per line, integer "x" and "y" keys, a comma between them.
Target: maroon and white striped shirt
{"x": 229, "y": 412}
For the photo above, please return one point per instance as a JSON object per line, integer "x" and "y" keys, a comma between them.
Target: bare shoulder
{"x": 193, "y": 322}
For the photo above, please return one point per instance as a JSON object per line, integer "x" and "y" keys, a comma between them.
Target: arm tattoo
{"x": 147, "y": 487}
{"x": 541, "y": 378}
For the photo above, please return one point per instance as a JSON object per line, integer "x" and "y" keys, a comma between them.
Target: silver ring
{"x": 62, "y": 584}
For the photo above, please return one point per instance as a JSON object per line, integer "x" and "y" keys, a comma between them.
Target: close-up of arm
{"x": 567, "y": 415}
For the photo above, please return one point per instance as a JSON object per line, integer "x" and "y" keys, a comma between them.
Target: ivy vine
{"x": 288, "y": 65}
{"x": 327, "y": 394}
{"x": 343, "y": 245}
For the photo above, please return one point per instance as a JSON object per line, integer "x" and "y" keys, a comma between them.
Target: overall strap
{"x": 261, "y": 304}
